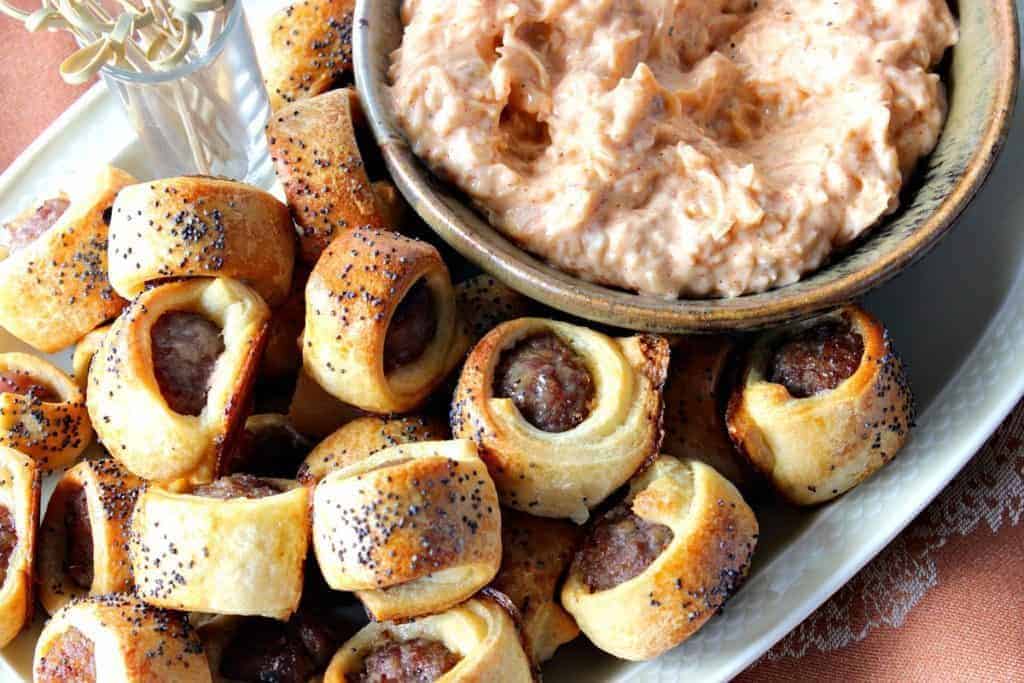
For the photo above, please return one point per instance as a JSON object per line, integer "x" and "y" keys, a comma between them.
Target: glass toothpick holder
{"x": 205, "y": 116}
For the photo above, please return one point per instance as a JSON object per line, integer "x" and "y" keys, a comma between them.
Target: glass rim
{"x": 214, "y": 51}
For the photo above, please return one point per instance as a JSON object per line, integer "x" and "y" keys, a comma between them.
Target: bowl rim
{"x": 530, "y": 275}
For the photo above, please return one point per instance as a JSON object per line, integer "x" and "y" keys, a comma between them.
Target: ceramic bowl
{"x": 982, "y": 80}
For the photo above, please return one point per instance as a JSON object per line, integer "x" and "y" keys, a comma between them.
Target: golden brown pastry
{"x": 313, "y": 145}
{"x": 260, "y": 649}
{"x": 234, "y": 546}
{"x": 475, "y": 642}
{"x": 563, "y": 415}
{"x": 484, "y": 303}
{"x": 309, "y": 51}
{"x": 85, "y": 351}
{"x": 116, "y": 638}
{"x": 19, "y": 515}
{"x": 382, "y": 331}
{"x": 83, "y": 543}
{"x": 822, "y": 405}
{"x": 173, "y": 376}
{"x": 196, "y": 226}
{"x": 316, "y": 413}
{"x": 656, "y": 567}
{"x": 42, "y": 411}
{"x": 393, "y": 207}
{"x": 413, "y": 529}
{"x": 365, "y": 436}
{"x": 283, "y": 355}
{"x": 53, "y": 264}
{"x": 535, "y": 554}
{"x": 696, "y": 394}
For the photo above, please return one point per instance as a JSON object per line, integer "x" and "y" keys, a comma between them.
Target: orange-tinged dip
{"x": 678, "y": 148}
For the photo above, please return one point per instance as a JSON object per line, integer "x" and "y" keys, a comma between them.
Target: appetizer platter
{"x": 293, "y": 435}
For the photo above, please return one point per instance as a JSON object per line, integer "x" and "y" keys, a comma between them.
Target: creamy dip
{"x": 681, "y": 147}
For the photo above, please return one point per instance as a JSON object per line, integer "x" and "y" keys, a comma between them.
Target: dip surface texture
{"x": 688, "y": 148}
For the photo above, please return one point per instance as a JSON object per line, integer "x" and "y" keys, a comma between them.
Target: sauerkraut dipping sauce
{"x": 681, "y": 148}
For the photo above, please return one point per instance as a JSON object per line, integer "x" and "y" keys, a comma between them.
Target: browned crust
{"x": 152, "y": 644}
{"x": 393, "y": 208}
{"x": 536, "y": 553}
{"x": 56, "y": 290}
{"x": 351, "y": 296}
{"x": 878, "y": 391}
{"x": 52, "y": 433}
{"x": 310, "y": 50}
{"x": 240, "y": 406}
{"x": 117, "y": 490}
{"x": 695, "y": 402}
{"x": 399, "y": 549}
{"x": 85, "y": 350}
{"x": 283, "y": 356}
{"x": 365, "y": 436}
{"x": 197, "y": 226}
{"x": 313, "y": 146}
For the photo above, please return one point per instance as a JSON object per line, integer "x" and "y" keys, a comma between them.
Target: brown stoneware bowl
{"x": 982, "y": 81}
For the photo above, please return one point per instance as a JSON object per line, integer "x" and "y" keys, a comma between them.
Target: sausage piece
{"x": 547, "y": 381}
{"x": 413, "y": 661}
{"x": 268, "y": 650}
{"x": 16, "y": 382}
{"x": 71, "y": 658}
{"x": 186, "y": 347}
{"x": 8, "y": 541}
{"x": 817, "y": 359}
{"x": 237, "y": 486}
{"x": 619, "y": 547}
{"x": 78, "y": 562}
{"x": 412, "y": 327}
{"x": 270, "y": 451}
{"x": 24, "y": 229}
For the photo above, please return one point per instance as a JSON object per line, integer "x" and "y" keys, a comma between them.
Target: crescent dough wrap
{"x": 309, "y": 50}
{"x": 365, "y": 436}
{"x": 480, "y": 632}
{"x": 110, "y": 492}
{"x": 565, "y": 474}
{"x": 536, "y": 553}
{"x": 695, "y": 396}
{"x": 313, "y": 144}
{"x": 413, "y": 529}
{"x": 55, "y": 290}
{"x": 815, "y": 448}
{"x": 116, "y": 638}
{"x": 133, "y": 418}
{"x": 351, "y": 300}
{"x": 53, "y": 428}
{"x": 85, "y": 351}
{"x": 197, "y": 226}
{"x": 228, "y": 556}
{"x": 19, "y": 503}
{"x": 713, "y": 537}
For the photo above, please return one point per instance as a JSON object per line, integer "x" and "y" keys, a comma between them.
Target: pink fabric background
{"x": 945, "y": 602}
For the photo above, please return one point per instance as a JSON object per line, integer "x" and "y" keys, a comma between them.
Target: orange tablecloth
{"x": 944, "y": 602}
